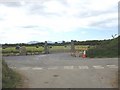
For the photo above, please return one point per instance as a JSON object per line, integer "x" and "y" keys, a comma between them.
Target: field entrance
{"x": 62, "y": 70}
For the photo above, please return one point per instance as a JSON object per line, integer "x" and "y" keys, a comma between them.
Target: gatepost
{"x": 23, "y": 50}
{"x": 46, "y": 48}
{"x": 72, "y": 47}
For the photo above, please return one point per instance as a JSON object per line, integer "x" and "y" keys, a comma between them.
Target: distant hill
{"x": 50, "y": 42}
{"x": 33, "y": 42}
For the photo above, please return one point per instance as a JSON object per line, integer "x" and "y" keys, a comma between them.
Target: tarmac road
{"x": 61, "y": 70}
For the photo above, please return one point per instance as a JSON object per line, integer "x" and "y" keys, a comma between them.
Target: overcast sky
{"x": 57, "y": 20}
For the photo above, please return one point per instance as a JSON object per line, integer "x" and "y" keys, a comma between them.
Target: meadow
{"x": 40, "y": 49}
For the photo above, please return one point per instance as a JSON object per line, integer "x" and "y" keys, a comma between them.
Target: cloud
{"x": 22, "y": 35}
{"x": 108, "y": 23}
{"x": 29, "y": 26}
{"x": 44, "y": 17}
{"x": 11, "y": 4}
{"x": 83, "y": 12}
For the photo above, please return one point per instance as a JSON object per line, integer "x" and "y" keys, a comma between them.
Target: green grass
{"x": 59, "y": 48}
{"x": 29, "y": 49}
{"x": 81, "y": 47}
{"x": 40, "y": 49}
{"x": 10, "y": 50}
{"x": 105, "y": 49}
{"x": 10, "y": 78}
{"x": 34, "y": 49}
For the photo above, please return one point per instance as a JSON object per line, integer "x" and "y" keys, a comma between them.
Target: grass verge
{"x": 107, "y": 49}
{"x": 10, "y": 78}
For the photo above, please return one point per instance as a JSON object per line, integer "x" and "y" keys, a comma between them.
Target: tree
{"x": 63, "y": 42}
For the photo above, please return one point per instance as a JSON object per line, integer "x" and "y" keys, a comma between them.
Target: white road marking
{"x": 112, "y": 66}
{"x": 68, "y": 67}
{"x": 37, "y": 68}
{"x": 64, "y": 67}
{"x": 53, "y": 68}
{"x": 98, "y": 67}
{"x": 83, "y": 67}
{"x": 24, "y": 68}
{"x": 38, "y": 58}
{"x": 12, "y": 67}
{"x": 42, "y": 55}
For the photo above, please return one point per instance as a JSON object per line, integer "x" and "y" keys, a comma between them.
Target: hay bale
{"x": 23, "y": 50}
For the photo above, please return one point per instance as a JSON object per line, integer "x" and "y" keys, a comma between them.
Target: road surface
{"x": 64, "y": 71}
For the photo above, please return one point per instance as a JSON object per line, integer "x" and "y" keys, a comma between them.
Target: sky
{"x": 22, "y": 21}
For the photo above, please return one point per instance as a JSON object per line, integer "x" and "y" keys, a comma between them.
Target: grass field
{"x": 40, "y": 49}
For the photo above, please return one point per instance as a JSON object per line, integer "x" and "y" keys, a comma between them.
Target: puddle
{"x": 55, "y": 75}
{"x": 46, "y": 82}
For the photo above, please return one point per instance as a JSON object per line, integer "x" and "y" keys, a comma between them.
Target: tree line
{"x": 88, "y": 42}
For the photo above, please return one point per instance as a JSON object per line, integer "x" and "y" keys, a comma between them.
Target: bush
{"x": 65, "y": 46}
{"x": 105, "y": 49}
{"x": 37, "y": 46}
